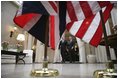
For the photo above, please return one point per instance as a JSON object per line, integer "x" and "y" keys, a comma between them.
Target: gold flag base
{"x": 44, "y": 72}
{"x": 109, "y": 72}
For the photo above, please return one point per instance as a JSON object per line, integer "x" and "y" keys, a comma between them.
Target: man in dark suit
{"x": 76, "y": 52}
{"x": 70, "y": 47}
{"x": 62, "y": 47}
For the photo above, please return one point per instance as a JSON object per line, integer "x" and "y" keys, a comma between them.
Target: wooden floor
{"x": 66, "y": 70}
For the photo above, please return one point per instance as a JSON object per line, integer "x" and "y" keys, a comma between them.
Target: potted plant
{"x": 19, "y": 47}
{"x": 5, "y": 45}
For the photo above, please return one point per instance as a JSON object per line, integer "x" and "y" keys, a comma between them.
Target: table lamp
{"x": 21, "y": 37}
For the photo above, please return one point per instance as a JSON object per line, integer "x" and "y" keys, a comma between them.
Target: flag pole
{"x": 105, "y": 36}
{"x": 45, "y": 71}
{"x": 45, "y": 61}
{"x": 46, "y": 39}
{"x": 110, "y": 66}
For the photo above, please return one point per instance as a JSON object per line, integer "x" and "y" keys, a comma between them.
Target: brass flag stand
{"x": 110, "y": 71}
{"x": 45, "y": 71}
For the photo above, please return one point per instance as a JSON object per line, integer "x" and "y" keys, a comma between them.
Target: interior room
{"x": 35, "y": 44}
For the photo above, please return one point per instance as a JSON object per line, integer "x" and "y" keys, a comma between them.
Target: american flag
{"x": 83, "y": 19}
{"x": 78, "y": 17}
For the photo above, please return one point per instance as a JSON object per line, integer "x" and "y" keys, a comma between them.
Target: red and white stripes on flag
{"x": 57, "y": 25}
{"x": 52, "y": 5}
{"x": 89, "y": 29}
{"x": 54, "y": 36}
{"x": 79, "y": 10}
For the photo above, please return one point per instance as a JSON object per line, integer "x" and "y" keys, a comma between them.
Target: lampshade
{"x": 20, "y": 37}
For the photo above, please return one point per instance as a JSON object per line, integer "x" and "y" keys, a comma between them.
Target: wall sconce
{"x": 15, "y": 28}
{"x": 12, "y": 31}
